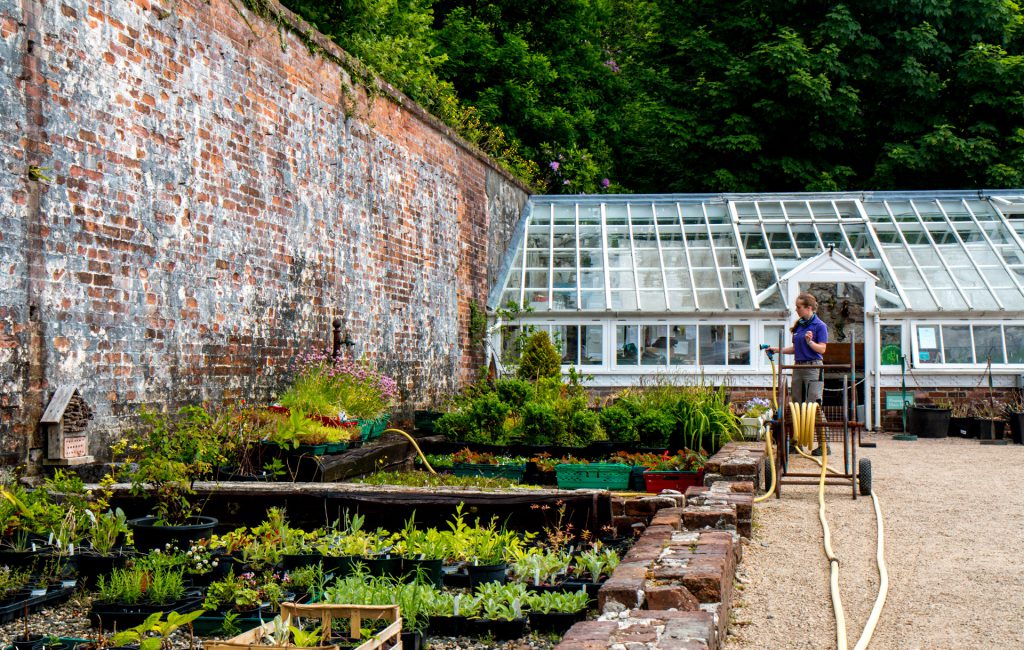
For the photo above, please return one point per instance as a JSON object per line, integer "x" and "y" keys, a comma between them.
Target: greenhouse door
{"x": 846, "y": 302}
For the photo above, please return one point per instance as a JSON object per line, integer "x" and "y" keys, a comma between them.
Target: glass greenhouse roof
{"x": 939, "y": 251}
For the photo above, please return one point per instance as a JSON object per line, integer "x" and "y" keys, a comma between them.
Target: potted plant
{"x": 960, "y": 417}
{"x": 501, "y": 611}
{"x": 471, "y": 463}
{"x": 163, "y": 459}
{"x": 245, "y": 594}
{"x": 675, "y": 472}
{"x": 540, "y": 569}
{"x": 929, "y": 421}
{"x": 990, "y": 415}
{"x": 337, "y": 388}
{"x": 1015, "y": 416}
{"x": 753, "y": 414}
{"x": 155, "y": 632}
{"x": 129, "y": 596}
{"x": 449, "y": 613}
{"x": 591, "y": 569}
{"x": 556, "y": 612}
{"x": 104, "y": 551}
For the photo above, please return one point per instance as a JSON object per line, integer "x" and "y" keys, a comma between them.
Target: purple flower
{"x": 555, "y": 165}
{"x": 612, "y": 65}
{"x": 565, "y": 182}
{"x": 605, "y": 182}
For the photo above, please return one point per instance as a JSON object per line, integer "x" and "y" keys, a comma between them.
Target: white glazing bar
{"x": 714, "y": 255}
{"x": 814, "y": 222}
{"x": 632, "y": 250}
{"x": 789, "y": 229}
{"x": 992, "y": 245}
{"x": 771, "y": 259}
{"x": 604, "y": 255}
{"x": 870, "y": 229}
{"x": 970, "y": 256}
{"x": 938, "y": 254}
{"x": 522, "y": 271}
{"x": 846, "y": 237}
{"x": 913, "y": 258}
{"x": 579, "y": 296}
{"x": 689, "y": 263}
{"x": 1002, "y": 217}
{"x": 743, "y": 254}
{"x": 661, "y": 257}
{"x": 551, "y": 257}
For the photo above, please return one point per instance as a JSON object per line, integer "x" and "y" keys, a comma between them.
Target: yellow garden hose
{"x": 418, "y": 450}
{"x": 768, "y": 442}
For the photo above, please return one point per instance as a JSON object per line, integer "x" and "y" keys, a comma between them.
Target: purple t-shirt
{"x": 802, "y": 351}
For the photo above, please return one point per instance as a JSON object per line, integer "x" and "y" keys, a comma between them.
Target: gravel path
{"x": 954, "y": 535}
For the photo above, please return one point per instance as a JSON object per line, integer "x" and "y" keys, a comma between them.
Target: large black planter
{"x": 93, "y": 565}
{"x": 929, "y": 422}
{"x": 484, "y": 573}
{"x": 109, "y": 616}
{"x": 149, "y": 536}
{"x": 1016, "y": 426}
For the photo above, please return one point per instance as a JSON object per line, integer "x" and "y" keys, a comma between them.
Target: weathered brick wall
{"x": 216, "y": 200}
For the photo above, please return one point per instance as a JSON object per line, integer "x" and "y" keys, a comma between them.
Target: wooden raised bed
{"x": 356, "y": 614}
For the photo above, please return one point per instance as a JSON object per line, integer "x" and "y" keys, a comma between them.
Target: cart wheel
{"x": 865, "y": 476}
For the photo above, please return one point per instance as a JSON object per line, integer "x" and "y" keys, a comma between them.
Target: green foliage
{"x": 154, "y": 633}
{"x": 568, "y": 603}
{"x": 539, "y": 359}
{"x": 655, "y": 427}
{"x": 618, "y": 424}
{"x": 664, "y": 96}
{"x": 164, "y": 457}
{"x": 514, "y": 392}
{"x": 541, "y": 424}
{"x": 137, "y": 584}
{"x": 426, "y": 479}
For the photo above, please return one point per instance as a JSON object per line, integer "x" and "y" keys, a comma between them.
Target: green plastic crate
{"x": 602, "y": 476}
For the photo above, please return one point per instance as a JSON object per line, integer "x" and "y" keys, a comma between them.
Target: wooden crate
{"x": 326, "y": 613}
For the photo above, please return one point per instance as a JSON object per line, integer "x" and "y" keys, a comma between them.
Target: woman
{"x": 810, "y": 338}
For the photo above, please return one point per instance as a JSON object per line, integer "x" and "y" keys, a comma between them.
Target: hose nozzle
{"x": 768, "y": 350}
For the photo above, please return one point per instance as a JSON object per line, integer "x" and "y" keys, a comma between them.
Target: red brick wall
{"x": 215, "y": 202}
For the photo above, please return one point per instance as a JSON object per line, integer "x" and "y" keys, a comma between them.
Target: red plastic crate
{"x": 679, "y": 481}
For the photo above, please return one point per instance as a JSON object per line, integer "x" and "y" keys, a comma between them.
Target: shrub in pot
{"x": 556, "y": 612}
{"x": 163, "y": 459}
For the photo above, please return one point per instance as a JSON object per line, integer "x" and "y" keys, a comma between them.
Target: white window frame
{"x": 915, "y": 361}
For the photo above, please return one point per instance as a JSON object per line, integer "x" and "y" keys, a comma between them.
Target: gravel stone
{"x": 953, "y": 533}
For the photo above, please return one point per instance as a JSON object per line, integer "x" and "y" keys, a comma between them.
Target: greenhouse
{"x": 921, "y": 287}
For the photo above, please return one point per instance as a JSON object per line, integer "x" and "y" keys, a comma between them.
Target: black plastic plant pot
{"x": 484, "y": 573}
{"x": 555, "y": 621}
{"x": 110, "y": 616}
{"x": 958, "y": 427}
{"x": 429, "y": 569}
{"x": 384, "y": 566}
{"x": 559, "y": 588}
{"x": 28, "y": 558}
{"x": 455, "y": 579}
{"x": 32, "y": 642}
{"x": 149, "y": 536}
{"x": 502, "y": 630}
{"x": 447, "y": 625}
{"x": 290, "y": 562}
{"x": 928, "y": 422}
{"x": 339, "y": 566}
{"x": 1016, "y": 426}
{"x": 92, "y": 565}
{"x": 591, "y": 588}
{"x": 412, "y": 640}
